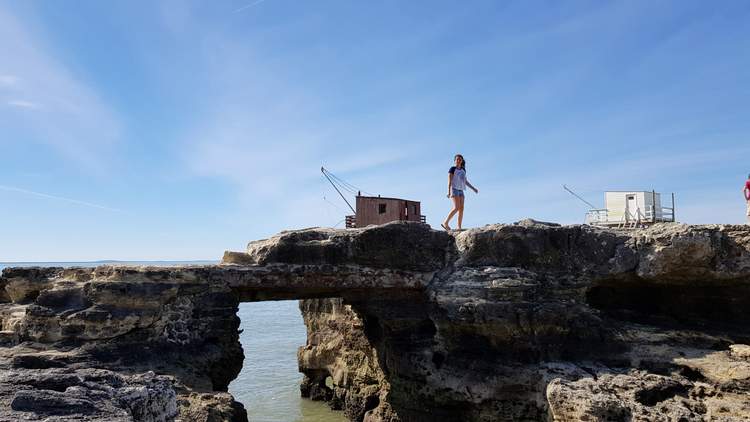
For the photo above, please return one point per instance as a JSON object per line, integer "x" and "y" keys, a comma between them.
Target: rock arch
{"x": 506, "y": 322}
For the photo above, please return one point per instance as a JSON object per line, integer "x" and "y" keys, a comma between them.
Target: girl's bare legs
{"x": 453, "y": 212}
{"x": 460, "y": 205}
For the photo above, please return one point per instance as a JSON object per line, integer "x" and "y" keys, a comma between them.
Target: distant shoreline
{"x": 108, "y": 261}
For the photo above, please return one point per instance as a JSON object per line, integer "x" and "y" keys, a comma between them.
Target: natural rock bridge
{"x": 510, "y": 322}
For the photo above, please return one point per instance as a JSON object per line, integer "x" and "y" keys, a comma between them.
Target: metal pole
{"x": 323, "y": 170}
{"x": 576, "y": 195}
{"x": 674, "y": 216}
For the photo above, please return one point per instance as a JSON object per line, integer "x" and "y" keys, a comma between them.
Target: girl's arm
{"x": 450, "y": 183}
{"x": 472, "y": 187}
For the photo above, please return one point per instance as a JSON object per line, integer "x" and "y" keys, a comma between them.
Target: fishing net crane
{"x": 579, "y": 197}
{"x": 331, "y": 177}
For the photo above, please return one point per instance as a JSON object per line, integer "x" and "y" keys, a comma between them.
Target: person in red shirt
{"x": 746, "y": 191}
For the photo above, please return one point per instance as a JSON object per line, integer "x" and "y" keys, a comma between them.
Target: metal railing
{"x": 601, "y": 216}
{"x": 596, "y": 216}
{"x": 666, "y": 215}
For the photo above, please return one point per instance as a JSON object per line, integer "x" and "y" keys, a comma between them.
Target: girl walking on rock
{"x": 457, "y": 183}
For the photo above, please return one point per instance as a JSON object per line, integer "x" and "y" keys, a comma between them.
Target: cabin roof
{"x": 630, "y": 191}
{"x": 382, "y": 197}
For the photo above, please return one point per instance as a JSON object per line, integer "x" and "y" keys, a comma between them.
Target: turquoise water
{"x": 268, "y": 384}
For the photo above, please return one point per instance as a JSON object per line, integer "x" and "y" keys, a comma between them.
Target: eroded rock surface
{"x": 542, "y": 322}
{"x": 88, "y": 343}
{"x": 340, "y": 365}
{"x": 527, "y": 321}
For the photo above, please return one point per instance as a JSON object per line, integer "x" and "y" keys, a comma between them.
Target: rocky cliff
{"x": 528, "y": 321}
{"x": 340, "y": 365}
{"x": 87, "y": 344}
{"x": 541, "y": 322}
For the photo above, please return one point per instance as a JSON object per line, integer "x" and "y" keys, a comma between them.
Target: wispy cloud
{"x": 70, "y": 117}
{"x": 247, "y": 6}
{"x": 23, "y": 104}
{"x": 267, "y": 132}
{"x": 266, "y": 136}
{"x": 57, "y": 198}
{"x": 7, "y": 80}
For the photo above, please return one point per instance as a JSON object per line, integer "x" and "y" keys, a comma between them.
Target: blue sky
{"x": 178, "y": 129}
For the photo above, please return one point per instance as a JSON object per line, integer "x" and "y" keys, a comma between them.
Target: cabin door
{"x": 631, "y": 208}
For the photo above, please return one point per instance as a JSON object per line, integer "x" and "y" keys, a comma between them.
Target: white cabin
{"x": 631, "y": 209}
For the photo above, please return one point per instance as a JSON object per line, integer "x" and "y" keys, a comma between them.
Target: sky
{"x": 173, "y": 129}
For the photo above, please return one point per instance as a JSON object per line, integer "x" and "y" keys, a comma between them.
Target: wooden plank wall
{"x": 396, "y": 210}
{"x": 415, "y": 210}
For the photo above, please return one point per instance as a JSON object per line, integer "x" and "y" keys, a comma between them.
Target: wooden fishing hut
{"x": 374, "y": 209}
{"x": 379, "y": 210}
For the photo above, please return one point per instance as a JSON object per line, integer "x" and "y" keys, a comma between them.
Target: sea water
{"x": 268, "y": 385}
{"x": 269, "y": 382}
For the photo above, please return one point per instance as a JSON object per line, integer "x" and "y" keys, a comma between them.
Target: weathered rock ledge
{"x": 528, "y": 321}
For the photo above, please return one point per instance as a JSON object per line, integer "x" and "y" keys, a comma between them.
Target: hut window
{"x": 381, "y": 208}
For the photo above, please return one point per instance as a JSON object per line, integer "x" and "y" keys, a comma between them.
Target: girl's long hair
{"x": 463, "y": 161}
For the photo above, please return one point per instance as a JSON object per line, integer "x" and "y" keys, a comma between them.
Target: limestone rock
{"x": 85, "y": 395}
{"x": 398, "y": 245}
{"x": 23, "y": 285}
{"x": 339, "y": 364}
{"x": 622, "y": 397}
{"x": 536, "y": 321}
